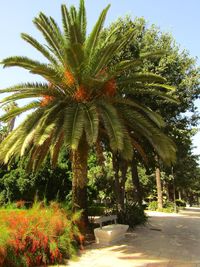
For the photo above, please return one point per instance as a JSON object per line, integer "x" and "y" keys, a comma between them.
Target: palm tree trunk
{"x": 79, "y": 181}
{"x": 120, "y": 180}
{"x": 136, "y": 181}
{"x": 119, "y": 200}
{"x": 124, "y": 169}
{"x": 159, "y": 188}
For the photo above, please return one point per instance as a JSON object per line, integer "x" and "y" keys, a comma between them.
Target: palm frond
{"x": 91, "y": 123}
{"x": 18, "y": 96}
{"x": 105, "y": 54}
{"x": 166, "y": 87}
{"x": 18, "y": 110}
{"x": 39, "y": 47}
{"x": 139, "y": 90}
{"x": 53, "y": 40}
{"x": 71, "y": 27}
{"x": 155, "y": 54}
{"x": 82, "y": 21}
{"x": 24, "y": 87}
{"x": 73, "y": 125}
{"x": 12, "y": 144}
{"x": 163, "y": 145}
{"x": 49, "y": 120}
{"x": 151, "y": 115}
{"x": 48, "y": 72}
{"x": 142, "y": 77}
{"x": 138, "y": 147}
{"x": 75, "y": 56}
{"x": 38, "y": 155}
{"x": 112, "y": 125}
{"x": 124, "y": 65}
{"x": 127, "y": 151}
{"x": 65, "y": 23}
{"x": 93, "y": 39}
{"x": 56, "y": 149}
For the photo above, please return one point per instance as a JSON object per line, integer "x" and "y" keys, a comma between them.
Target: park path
{"x": 168, "y": 240}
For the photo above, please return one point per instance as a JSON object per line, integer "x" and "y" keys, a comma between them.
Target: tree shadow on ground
{"x": 164, "y": 241}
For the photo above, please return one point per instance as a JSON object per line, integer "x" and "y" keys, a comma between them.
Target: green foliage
{"x": 168, "y": 206}
{"x": 132, "y": 215}
{"x": 99, "y": 176}
{"x": 153, "y": 205}
{"x": 3, "y": 131}
{"x": 96, "y": 210}
{"x": 49, "y": 183}
{"x": 180, "y": 70}
{"x": 180, "y": 203}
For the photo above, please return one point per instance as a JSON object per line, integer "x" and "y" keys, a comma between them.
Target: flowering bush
{"x": 38, "y": 236}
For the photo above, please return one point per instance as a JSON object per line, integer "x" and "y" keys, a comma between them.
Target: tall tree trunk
{"x": 119, "y": 165}
{"x": 136, "y": 181}
{"x": 159, "y": 188}
{"x": 99, "y": 153}
{"x": 79, "y": 181}
{"x": 115, "y": 163}
{"x": 167, "y": 191}
{"x": 124, "y": 168}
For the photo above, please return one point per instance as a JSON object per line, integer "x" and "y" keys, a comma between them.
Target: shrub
{"x": 38, "y": 236}
{"x": 153, "y": 205}
{"x": 96, "y": 210}
{"x": 180, "y": 203}
{"x": 168, "y": 206}
{"x": 48, "y": 182}
{"x": 132, "y": 215}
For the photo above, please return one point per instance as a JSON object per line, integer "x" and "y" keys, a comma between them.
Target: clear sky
{"x": 180, "y": 17}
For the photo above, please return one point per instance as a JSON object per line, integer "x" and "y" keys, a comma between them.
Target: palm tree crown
{"x": 85, "y": 96}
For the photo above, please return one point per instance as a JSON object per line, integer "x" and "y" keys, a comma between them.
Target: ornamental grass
{"x": 37, "y": 236}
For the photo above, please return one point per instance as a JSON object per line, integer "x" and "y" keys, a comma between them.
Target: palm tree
{"x": 3, "y": 132}
{"x": 8, "y": 108}
{"x": 6, "y": 129}
{"x": 84, "y": 99}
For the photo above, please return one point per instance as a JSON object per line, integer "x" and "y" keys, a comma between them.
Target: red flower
{"x": 81, "y": 94}
{"x": 46, "y": 100}
{"x": 110, "y": 88}
{"x": 69, "y": 78}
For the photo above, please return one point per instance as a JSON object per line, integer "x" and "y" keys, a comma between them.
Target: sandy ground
{"x": 167, "y": 240}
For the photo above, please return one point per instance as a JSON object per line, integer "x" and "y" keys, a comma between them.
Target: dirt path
{"x": 168, "y": 240}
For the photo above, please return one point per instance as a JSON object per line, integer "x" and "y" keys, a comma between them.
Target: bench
{"x": 109, "y": 234}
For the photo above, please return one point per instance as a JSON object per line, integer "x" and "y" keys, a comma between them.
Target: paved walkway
{"x": 168, "y": 240}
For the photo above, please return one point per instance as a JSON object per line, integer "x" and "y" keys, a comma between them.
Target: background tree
{"x": 175, "y": 65}
{"x": 47, "y": 184}
{"x": 9, "y": 108}
{"x": 3, "y": 131}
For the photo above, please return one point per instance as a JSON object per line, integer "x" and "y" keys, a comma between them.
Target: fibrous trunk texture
{"x": 159, "y": 188}
{"x": 136, "y": 181}
{"x": 120, "y": 168}
{"x": 79, "y": 181}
